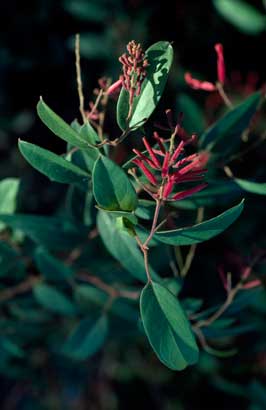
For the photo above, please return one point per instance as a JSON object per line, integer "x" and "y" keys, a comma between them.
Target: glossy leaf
{"x": 122, "y": 247}
{"x": 59, "y": 127}
{"x": 53, "y": 166}
{"x": 203, "y": 231}
{"x": 160, "y": 57}
{"x": 52, "y": 232}
{"x": 111, "y": 186}
{"x": 242, "y": 15}
{"x": 252, "y": 187}
{"x": 53, "y": 269}
{"x": 86, "y": 339}
{"x": 167, "y": 327}
{"x": 8, "y": 197}
{"x": 223, "y": 136}
{"x": 52, "y": 299}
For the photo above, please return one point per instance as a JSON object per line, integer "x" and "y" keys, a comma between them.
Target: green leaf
{"x": 53, "y": 166}
{"x": 252, "y": 187}
{"x": 160, "y": 57}
{"x": 122, "y": 214}
{"x": 111, "y": 186}
{"x": 167, "y": 327}
{"x": 59, "y": 127}
{"x": 203, "y": 231}
{"x": 8, "y": 197}
{"x": 53, "y": 300}
{"x": 122, "y": 247}
{"x": 53, "y": 269}
{"x": 54, "y": 233}
{"x": 86, "y": 339}
{"x": 224, "y": 136}
{"x": 88, "y": 133}
{"x": 193, "y": 121}
{"x": 242, "y": 15}
{"x": 9, "y": 261}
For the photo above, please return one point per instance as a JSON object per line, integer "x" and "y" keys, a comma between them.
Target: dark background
{"x": 37, "y": 58}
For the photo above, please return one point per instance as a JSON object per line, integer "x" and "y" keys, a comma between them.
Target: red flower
{"x": 167, "y": 169}
{"x": 206, "y": 85}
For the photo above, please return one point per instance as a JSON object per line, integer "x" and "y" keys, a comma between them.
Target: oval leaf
{"x": 111, "y": 186}
{"x": 160, "y": 57}
{"x": 224, "y": 136}
{"x": 86, "y": 339}
{"x": 242, "y": 15}
{"x": 252, "y": 187}
{"x": 53, "y": 166}
{"x": 167, "y": 327}
{"x": 59, "y": 127}
{"x": 53, "y": 300}
{"x": 52, "y": 268}
{"x": 203, "y": 231}
{"x": 8, "y": 197}
{"x": 122, "y": 247}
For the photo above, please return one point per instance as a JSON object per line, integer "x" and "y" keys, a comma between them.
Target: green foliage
{"x": 122, "y": 246}
{"x": 242, "y": 15}
{"x": 53, "y": 166}
{"x": 50, "y": 267}
{"x": 252, "y": 187}
{"x": 167, "y": 327}
{"x": 59, "y": 127}
{"x": 52, "y": 299}
{"x": 160, "y": 57}
{"x": 87, "y": 338}
{"x": 8, "y": 197}
{"x": 224, "y": 136}
{"x": 203, "y": 231}
{"x": 111, "y": 187}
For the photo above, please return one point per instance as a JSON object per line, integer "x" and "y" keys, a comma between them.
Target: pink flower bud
{"x": 220, "y": 63}
{"x": 254, "y": 283}
{"x": 188, "y": 192}
{"x": 146, "y": 171}
{"x": 151, "y": 152}
{"x": 168, "y": 188}
{"x": 114, "y": 88}
{"x": 199, "y": 85}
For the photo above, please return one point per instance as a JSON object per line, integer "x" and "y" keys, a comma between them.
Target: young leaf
{"x": 59, "y": 127}
{"x": 8, "y": 196}
{"x": 223, "y": 136}
{"x": 203, "y": 231}
{"x": 53, "y": 269}
{"x": 54, "y": 233}
{"x": 167, "y": 327}
{"x": 86, "y": 339}
{"x": 53, "y": 166}
{"x": 252, "y": 187}
{"x": 242, "y": 15}
{"x": 122, "y": 247}
{"x": 160, "y": 57}
{"x": 53, "y": 300}
{"x": 111, "y": 186}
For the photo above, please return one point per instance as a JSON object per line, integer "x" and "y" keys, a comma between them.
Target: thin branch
{"x": 79, "y": 80}
{"x": 223, "y": 95}
{"x": 192, "y": 250}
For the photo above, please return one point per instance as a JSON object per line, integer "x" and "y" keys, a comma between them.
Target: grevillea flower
{"x": 165, "y": 169}
{"x": 206, "y": 85}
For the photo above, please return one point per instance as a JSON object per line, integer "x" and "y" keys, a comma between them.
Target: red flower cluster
{"x": 164, "y": 169}
{"x": 206, "y": 85}
{"x": 134, "y": 69}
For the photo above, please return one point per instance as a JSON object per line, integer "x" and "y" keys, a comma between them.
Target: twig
{"x": 79, "y": 80}
{"x": 22, "y": 287}
{"x": 223, "y": 95}
{"x": 192, "y": 250}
